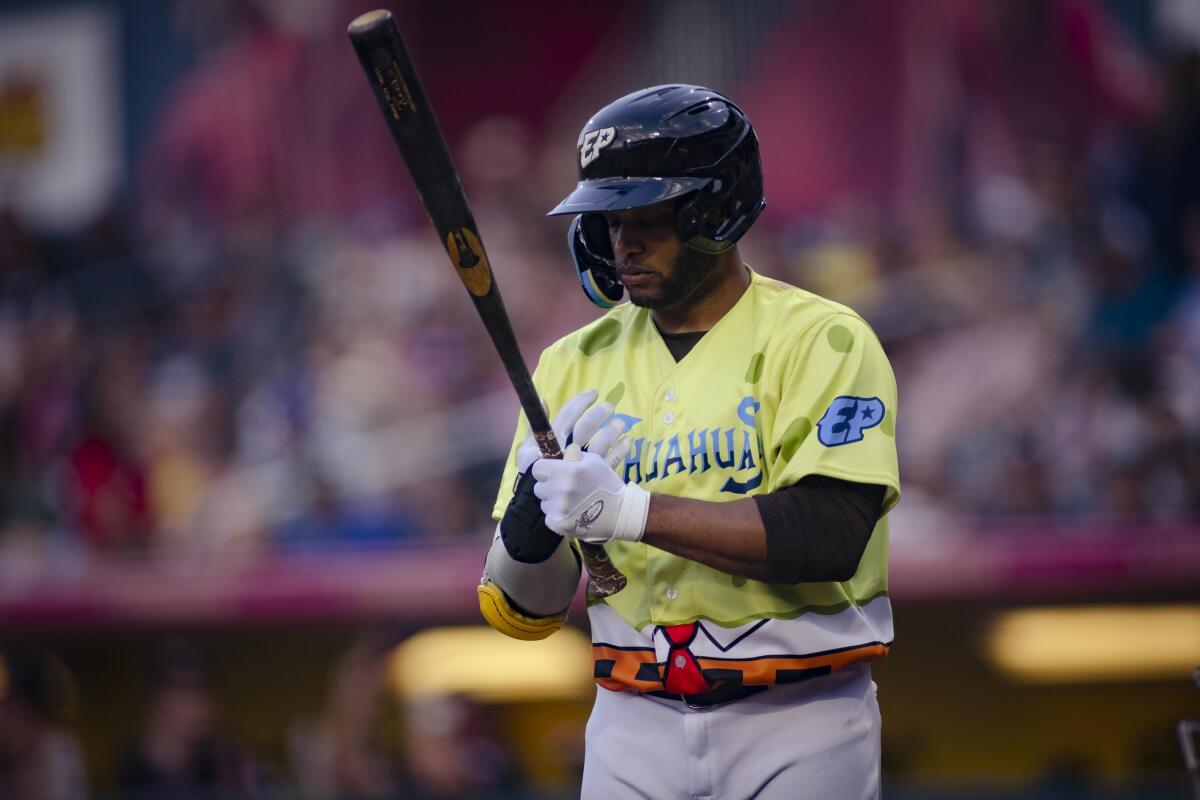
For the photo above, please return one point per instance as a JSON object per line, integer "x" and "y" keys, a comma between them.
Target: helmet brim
{"x": 619, "y": 194}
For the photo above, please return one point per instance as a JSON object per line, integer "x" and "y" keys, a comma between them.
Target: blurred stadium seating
{"x": 242, "y": 399}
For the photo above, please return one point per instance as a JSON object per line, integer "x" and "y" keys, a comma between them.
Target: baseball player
{"x": 731, "y": 443}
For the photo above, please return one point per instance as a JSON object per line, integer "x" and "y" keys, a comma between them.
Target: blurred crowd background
{"x": 249, "y": 340}
{"x": 228, "y": 331}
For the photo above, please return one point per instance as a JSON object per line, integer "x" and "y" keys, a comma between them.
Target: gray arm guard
{"x": 543, "y": 589}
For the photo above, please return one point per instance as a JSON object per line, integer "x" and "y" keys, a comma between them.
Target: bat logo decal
{"x": 467, "y": 254}
{"x": 589, "y": 515}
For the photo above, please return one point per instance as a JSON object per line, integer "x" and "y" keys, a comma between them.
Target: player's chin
{"x": 646, "y": 298}
{"x": 646, "y": 285}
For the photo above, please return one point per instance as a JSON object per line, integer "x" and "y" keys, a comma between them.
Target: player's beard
{"x": 692, "y": 276}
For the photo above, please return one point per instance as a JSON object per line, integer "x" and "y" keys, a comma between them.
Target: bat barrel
{"x": 409, "y": 116}
{"x": 414, "y": 126}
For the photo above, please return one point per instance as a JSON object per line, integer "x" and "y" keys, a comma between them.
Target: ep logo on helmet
{"x": 592, "y": 142}
{"x": 847, "y": 418}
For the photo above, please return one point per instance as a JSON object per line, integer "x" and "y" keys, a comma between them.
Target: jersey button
{"x": 672, "y": 593}
{"x": 670, "y": 395}
{"x": 668, "y": 417}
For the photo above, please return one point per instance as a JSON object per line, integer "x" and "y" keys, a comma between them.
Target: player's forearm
{"x": 729, "y": 537}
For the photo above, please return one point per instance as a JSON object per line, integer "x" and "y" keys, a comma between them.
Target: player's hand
{"x": 590, "y": 427}
{"x": 583, "y": 498}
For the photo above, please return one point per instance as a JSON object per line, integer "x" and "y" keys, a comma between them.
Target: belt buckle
{"x": 731, "y": 694}
{"x": 707, "y": 693}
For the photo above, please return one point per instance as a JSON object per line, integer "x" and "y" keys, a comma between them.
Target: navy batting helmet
{"x": 676, "y": 142}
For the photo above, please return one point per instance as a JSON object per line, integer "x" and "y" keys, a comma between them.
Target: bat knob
{"x": 369, "y": 21}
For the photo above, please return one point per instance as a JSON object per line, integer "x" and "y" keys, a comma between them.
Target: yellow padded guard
{"x": 500, "y": 614}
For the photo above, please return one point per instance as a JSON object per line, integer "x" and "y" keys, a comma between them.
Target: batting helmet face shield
{"x": 679, "y": 142}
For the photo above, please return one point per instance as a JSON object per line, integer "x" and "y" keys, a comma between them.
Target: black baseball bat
{"x": 415, "y": 128}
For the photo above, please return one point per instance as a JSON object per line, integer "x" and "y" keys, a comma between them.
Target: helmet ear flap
{"x": 692, "y": 218}
{"x": 591, "y": 250}
{"x": 713, "y": 218}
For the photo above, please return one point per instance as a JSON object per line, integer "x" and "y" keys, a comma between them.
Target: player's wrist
{"x": 632, "y": 515}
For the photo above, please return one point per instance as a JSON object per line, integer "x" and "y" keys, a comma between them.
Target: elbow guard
{"x": 502, "y": 615}
{"x": 523, "y": 600}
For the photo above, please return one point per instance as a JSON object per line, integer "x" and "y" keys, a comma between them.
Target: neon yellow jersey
{"x": 786, "y": 384}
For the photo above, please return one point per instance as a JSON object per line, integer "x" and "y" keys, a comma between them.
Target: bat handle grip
{"x": 547, "y": 444}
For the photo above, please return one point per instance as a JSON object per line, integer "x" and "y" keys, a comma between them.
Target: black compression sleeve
{"x": 818, "y": 528}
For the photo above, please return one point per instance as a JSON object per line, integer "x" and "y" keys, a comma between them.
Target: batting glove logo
{"x": 589, "y": 515}
{"x": 847, "y": 418}
{"x": 592, "y": 142}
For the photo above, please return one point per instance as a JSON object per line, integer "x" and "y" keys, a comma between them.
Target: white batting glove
{"x": 584, "y": 499}
{"x": 592, "y": 428}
